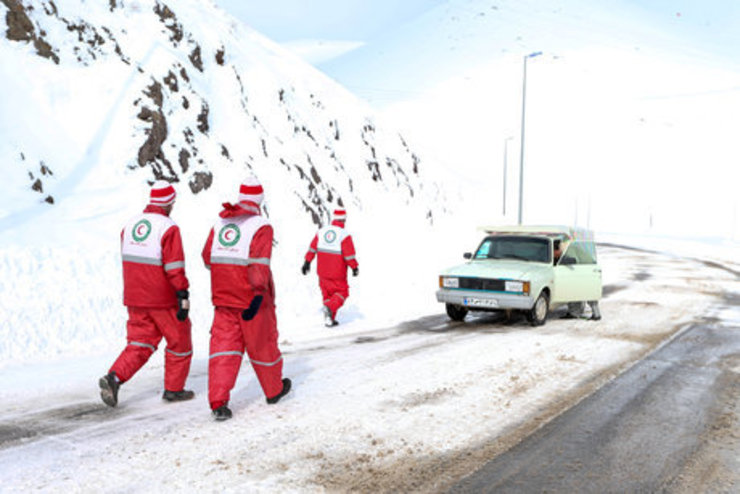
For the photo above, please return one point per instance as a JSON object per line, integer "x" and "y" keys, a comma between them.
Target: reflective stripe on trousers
{"x": 178, "y": 354}
{"x": 267, "y": 364}
{"x": 223, "y": 354}
{"x": 144, "y": 345}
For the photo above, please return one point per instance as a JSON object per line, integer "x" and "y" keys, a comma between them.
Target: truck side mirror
{"x": 568, "y": 261}
{"x": 468, "y": 255}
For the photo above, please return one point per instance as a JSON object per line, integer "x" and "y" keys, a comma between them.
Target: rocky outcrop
{"x": 37, "y": 182}
{"x": 150, "y": 153}
{"x": 200, "y": 181}
{"x": 20, "y": 28}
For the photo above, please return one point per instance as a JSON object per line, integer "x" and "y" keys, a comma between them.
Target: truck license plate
{"x": 481, "y": 302}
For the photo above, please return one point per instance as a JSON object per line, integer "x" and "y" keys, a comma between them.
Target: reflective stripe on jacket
{"x": 237, "y": 252}
{"x": 335, "y": 251}
{"x": 153, "y": 260}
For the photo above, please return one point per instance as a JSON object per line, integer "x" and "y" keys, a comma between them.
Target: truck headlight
{"x": 449, "y": 282}
{"x": 517, "y": 286}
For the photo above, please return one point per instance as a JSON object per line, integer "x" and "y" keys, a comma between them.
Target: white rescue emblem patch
{"x": 229, "y": 235}
{"x": 141, "y": 230}
{"x": 330, "y": 236}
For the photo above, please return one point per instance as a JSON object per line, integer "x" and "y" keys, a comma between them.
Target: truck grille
{"x": 482, "y": 284}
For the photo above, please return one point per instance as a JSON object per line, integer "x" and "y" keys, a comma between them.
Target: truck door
{"x": 577, "y": 276}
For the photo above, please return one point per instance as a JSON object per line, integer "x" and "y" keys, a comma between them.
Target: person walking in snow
{"x": 237, "y": 253}
{"x": 155, "y": 291}
{"x": 336, "y": 252}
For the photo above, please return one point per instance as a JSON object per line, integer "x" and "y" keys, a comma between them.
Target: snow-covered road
{"x": 408, "y": 408}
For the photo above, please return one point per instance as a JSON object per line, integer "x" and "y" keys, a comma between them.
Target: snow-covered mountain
{"x": 631, "y": 108}
{"x": 448, "y": 40}
{"x": 183, "y": 91}
{"x": 101, "y": 98}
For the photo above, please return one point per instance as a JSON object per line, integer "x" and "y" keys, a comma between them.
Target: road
{"x": 419, "y": 406}
{"x": 669, "y": 424}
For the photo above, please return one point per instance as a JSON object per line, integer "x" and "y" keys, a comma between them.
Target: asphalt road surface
{"x": 668, "y": 424}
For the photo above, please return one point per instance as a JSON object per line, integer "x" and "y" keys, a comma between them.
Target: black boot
{"x": 222, "y": 413}
{"x": 328, "y": 320}
{"x": 183, "y": 395}
{"x": 109, "y": 389}
{"x": 286, "y": 389}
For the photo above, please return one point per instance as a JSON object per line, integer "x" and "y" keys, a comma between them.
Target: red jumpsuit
{"x": 237, "y": 253}
{"x": 336, "y": 252}
{"x": 153, "y": 270}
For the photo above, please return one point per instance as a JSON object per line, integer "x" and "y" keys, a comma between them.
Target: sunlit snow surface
{"x": 396, "y": 391}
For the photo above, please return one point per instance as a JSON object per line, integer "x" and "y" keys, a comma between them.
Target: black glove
{"x": 306, "y": 267}
{"x": 355, "y": 271}
{"x": 183, "y": 304}
{"x": 251, "y": 311}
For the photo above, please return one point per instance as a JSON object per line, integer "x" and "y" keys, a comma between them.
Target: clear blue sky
{"x": 356, "y": 20}
{"x": 712, "y": 24}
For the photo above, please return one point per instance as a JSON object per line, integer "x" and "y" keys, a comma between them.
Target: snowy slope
{"x": 450, "y": 39}
{"x": 101, "y": 98}
{"x": 630, "y": 99}
{"x": 193, "y": 96}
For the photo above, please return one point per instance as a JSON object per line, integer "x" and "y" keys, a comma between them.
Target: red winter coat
{"x": 153, "y": 260}
{"x": 235, "y": 281}
{"x": 335, "y": 250}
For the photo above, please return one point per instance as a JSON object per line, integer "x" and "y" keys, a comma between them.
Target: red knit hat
{"x": 251, "y": 191}
{"x": 162, "y": 194}
{"x": 340, "y": 215}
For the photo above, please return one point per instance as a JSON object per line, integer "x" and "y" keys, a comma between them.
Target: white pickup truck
{"x": 526, "y": 268}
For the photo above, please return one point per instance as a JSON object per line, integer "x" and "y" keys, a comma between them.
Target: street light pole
{"x": 506, "y": 160}
{"x": 521, "y": 153}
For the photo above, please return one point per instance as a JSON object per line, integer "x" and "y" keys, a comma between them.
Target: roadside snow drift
{"x": 102, "y": 98}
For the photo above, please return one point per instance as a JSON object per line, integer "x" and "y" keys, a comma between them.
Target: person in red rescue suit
{"x": 237, "y": 253}
{"x": 336, "y": 251}
{"x": 155, "y": 291}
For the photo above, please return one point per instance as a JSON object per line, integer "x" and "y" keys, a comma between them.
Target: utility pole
{"x": 506, "y": 160}
{"x": 521, "y": 153}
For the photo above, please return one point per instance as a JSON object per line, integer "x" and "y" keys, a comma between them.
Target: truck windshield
{"x": 512, "y": 247}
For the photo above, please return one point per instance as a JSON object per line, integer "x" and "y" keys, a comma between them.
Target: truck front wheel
{"x": 456, "y": 312}
{"x": 537, "y": 315}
